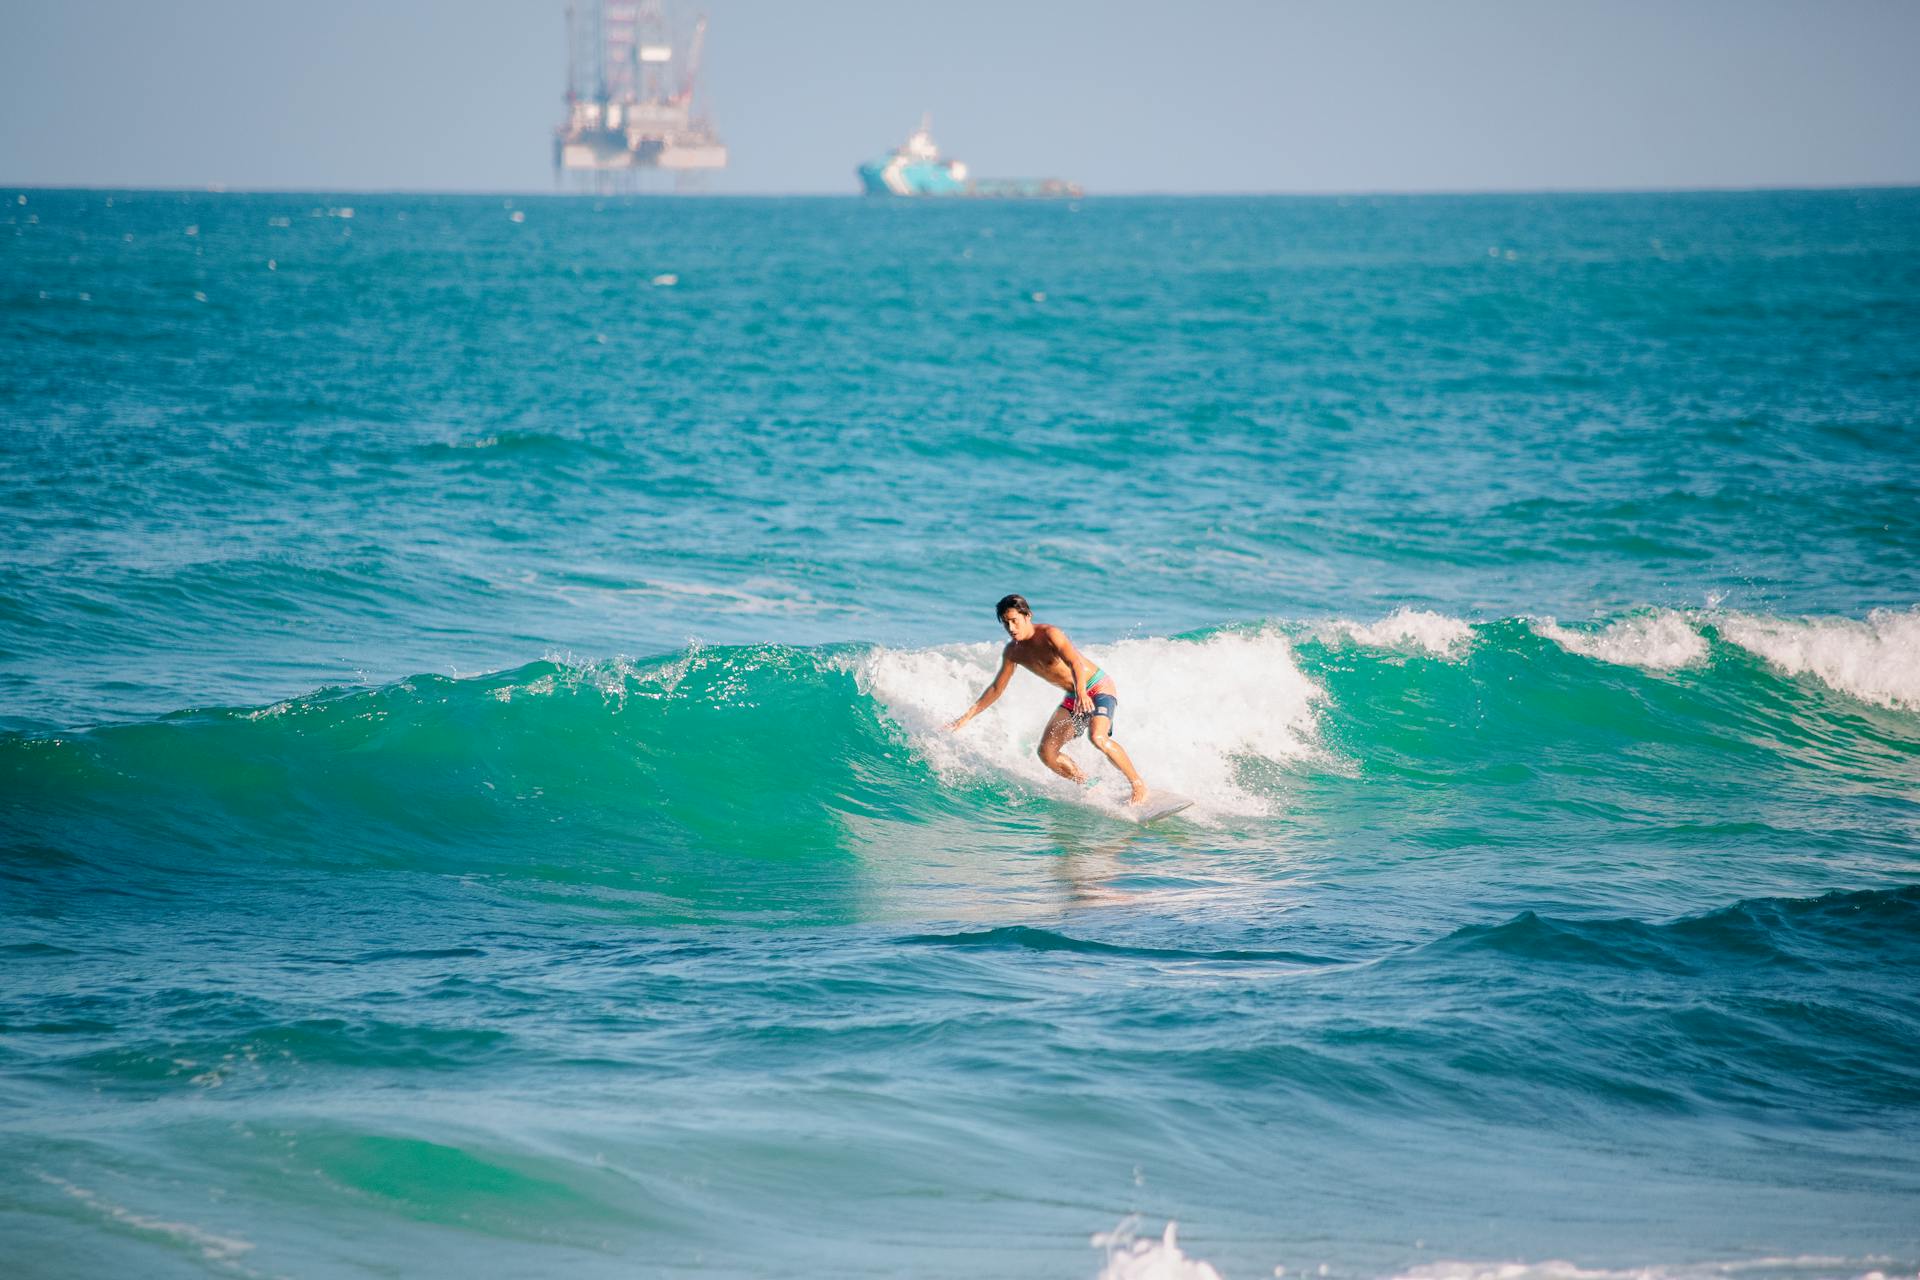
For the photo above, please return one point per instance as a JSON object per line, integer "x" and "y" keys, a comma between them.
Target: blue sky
{"x": 1121, "y": 95}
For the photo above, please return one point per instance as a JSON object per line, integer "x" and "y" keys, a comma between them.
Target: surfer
{"x": 1092, "y": 697}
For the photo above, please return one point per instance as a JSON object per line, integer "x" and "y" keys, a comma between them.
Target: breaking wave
{"x": 777, "y": 749}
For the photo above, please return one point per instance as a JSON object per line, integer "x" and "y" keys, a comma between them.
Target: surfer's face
{"x": 1017, "y": 624}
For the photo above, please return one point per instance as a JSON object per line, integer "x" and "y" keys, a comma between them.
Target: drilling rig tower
{"x": 630, "y": 92}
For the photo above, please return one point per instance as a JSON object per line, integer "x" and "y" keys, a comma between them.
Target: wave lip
{"x": 1409, "y": 630}
{"x": 1659, "y": 640}
{"x": 1876, "y": 660}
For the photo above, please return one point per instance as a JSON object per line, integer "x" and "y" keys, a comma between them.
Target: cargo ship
{"x": 916, "y": 168}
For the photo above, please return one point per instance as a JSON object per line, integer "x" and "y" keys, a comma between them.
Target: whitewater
{"x": 475, "y": 794}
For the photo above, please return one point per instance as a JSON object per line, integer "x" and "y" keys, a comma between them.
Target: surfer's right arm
{"x": 994, "y": 690}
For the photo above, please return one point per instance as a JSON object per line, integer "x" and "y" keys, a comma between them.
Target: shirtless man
{"x": 1091, "y": 699}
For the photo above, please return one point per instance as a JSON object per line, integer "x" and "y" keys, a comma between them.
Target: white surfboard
{"x": 1158, "y": 805}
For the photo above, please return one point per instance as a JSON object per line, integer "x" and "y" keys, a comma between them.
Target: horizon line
{"x": 1141, "y": 193}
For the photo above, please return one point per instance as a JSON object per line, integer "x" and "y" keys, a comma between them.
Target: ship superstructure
{"x": 630, "y": 98}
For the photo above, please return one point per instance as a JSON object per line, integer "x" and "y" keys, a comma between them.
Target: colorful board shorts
{"x": 1104, "y": 704}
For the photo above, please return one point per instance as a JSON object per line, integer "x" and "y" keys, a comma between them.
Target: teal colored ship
{"x": 916, "y": 168}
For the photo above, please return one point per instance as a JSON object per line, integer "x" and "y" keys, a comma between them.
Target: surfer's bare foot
{"x": 1140, "y": 793}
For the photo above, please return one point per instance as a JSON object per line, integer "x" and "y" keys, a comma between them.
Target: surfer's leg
{"x": 1101, "y": 735}
{"x": 1060, "y": 730}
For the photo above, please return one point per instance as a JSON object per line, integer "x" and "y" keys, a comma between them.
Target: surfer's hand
{"x": 1082, "y": 704}
{"x": 952, "y": 725}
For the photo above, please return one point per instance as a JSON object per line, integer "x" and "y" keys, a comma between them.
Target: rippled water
{"x": 472, "y": 796}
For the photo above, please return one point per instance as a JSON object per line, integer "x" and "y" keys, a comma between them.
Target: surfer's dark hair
{"x": 1014, "y": 604}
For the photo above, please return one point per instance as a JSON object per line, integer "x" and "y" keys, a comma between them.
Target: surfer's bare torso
{"x": 1047, "y": 653}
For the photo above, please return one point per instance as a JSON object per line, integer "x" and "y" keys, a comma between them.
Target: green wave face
{"x": 716, "y": 772}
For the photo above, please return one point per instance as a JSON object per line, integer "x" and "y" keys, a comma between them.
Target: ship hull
{"x": 894, "y": 176}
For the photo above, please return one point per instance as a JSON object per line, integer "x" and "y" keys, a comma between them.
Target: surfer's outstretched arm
{"x": 994, "y": 690}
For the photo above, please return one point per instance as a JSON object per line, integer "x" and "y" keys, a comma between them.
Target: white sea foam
{"x": 1412, "y": 631}
{"x": 1130, "y": 1258}
{"x": 1550, "y": 1270}
{"x": 1810, "y": 1266}
{"x": 1660, "y": 640}
{"x": 1192, "y": 712}
{"x": 1876, "y": 660}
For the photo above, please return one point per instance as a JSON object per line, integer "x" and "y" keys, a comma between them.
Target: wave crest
{"x": 1411, "y": 631}
{"x": 1769, "y": 933}
{"x": 1661, "y": 640}
{"x": 1876, "y": 660}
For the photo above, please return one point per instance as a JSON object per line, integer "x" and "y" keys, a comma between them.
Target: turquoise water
{"x": 472, "y": 798}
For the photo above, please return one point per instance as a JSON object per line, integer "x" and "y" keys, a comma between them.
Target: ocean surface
{"x": 473, "y": 799}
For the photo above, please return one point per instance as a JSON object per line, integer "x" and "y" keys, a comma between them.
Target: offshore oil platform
{"x": 630, "y": 91}
{"x": 916, "y": 168}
